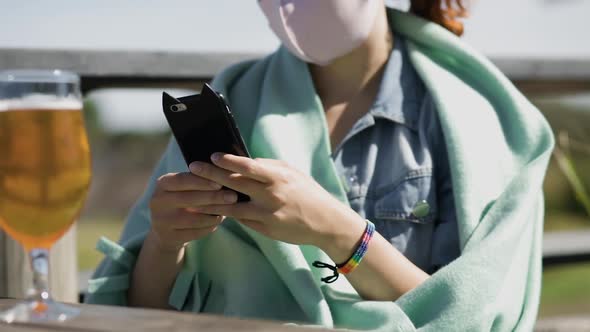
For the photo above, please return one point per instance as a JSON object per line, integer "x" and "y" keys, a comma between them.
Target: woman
{"x": 386, "y": 150}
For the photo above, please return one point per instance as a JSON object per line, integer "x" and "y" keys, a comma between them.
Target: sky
{"x": 501, "y": 28}
{"x": 498, "y": 28}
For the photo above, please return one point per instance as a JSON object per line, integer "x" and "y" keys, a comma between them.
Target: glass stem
{"x": 39, "y": 259}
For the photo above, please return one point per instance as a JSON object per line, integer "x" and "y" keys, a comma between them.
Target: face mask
{"x": 319, "y": 31}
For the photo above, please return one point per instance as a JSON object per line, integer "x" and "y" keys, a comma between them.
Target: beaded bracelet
{"x": 353, "y": 261}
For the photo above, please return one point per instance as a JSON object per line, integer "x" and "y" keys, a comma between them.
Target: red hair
{"x": 444, "y": 12}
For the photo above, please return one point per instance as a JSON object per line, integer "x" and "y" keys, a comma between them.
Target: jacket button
{"x": 421, "y": 209}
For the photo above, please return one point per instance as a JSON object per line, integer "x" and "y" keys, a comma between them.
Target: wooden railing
{"x": 566, "y": 247}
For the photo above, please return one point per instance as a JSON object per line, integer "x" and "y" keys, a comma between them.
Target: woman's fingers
{"x": 252, "y": 168}
{"x": 185, "y": 182}
{"x": 185, "y": 199}
{"x": 170, "y": 207}
{"x": 182, "y": 219}
{"x": 226, "y": 178}
{"x": 176, "y": 227}
{"x": 246, "y": 211}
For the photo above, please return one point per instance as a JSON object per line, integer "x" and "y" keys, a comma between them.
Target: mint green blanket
{"x": 498, "y": 146}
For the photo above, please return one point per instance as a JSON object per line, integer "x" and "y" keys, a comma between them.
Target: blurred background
{"x": 128, "y": 51}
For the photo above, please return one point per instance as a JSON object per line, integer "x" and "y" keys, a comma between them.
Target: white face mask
{"x": 319, "y": 31}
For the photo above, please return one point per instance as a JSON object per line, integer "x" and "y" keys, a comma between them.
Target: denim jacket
{"x": 393, "y": 163}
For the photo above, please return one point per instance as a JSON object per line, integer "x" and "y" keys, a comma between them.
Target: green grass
{"x": 565, "y": 221}
{"x": 89, "y": 231}
{"x": 566, "y": 289}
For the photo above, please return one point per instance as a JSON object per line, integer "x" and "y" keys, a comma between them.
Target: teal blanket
{"x": 498, "y": 146}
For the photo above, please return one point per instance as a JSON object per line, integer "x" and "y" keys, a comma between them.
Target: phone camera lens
{"x": 178, "y": 107}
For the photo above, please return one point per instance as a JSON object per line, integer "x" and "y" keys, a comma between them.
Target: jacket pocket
{"x": 412, "y": 199}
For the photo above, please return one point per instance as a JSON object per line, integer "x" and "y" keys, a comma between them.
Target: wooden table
{"x": 95, "y": 318}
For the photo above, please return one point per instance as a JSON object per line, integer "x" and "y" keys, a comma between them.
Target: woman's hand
{"x": 285, "y": 205}
{"x": 174, "y": 220}
{"x": 290, "y": 206}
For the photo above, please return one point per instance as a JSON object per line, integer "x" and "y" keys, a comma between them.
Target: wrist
{"x": 344, "y": 238}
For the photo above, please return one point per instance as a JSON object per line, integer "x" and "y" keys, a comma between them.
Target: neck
{"x": 357, "y": 71}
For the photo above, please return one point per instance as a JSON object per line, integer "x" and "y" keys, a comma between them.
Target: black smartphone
{"x": 202, "y": 125}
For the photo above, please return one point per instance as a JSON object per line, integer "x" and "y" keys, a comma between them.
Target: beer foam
{"x": 41, "y": 102}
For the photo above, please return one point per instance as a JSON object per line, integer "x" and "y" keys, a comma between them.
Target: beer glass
{"x": 44, "y": 174}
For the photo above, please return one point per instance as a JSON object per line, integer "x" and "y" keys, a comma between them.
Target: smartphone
{"x": 202, "y": 124}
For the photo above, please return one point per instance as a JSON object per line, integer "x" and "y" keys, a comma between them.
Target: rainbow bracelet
{"x": 353, "y": 261}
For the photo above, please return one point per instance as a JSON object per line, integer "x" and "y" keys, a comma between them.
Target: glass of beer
{"x": 44, "y": 174}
